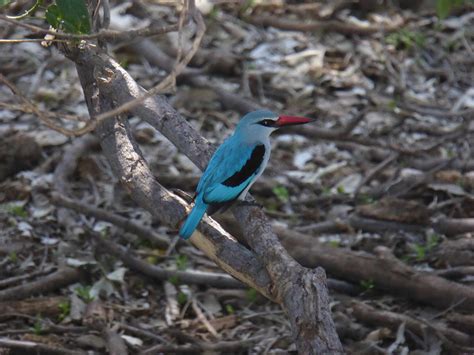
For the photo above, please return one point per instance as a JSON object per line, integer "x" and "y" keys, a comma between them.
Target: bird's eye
{"x": 267, "y": 123}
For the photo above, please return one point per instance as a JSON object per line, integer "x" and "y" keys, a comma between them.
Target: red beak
{"x": 292, "y": 120}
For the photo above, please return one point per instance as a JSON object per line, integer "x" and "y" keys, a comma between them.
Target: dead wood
{"x": 456, "y": 273}
{"x": 396, "y": 210}
{"x": 347, "y": 328}
{"x": 215, "y": 61}
{"x": 115, "y": 344}
{"x": 28, "y": 347}
{"x": 45, "y": 117}
{"x": 128, "y": 164}
{"x": 328, "y": 26}
{"x": 47, "y": 307}
{"x": 454, "y": 226}
{"x": 124, "y": 223}
{"x": 392, "y": 320}
{"x": 18, "y": 152}
{"x": 386, "y": 221}
{"x": 463, "y": 322}
{"x": 142, "y": 332}
{"x": 380, "y": 226}
{"x": 157, "y": 57}
{"x": 427, "y": 163}
{"x": 335, "y": 226}
{"x": 419, "y": 95}
{"x": 384, "y": 270}
{"x": 17, "y": 279}
{"x": 458, "y": 252}
{"x": 66, "y": 167}
{"x": 58, "y": 279}
{"x": 198, "y": 347}
{"x": 159, "y": 273}
{"x": 303, "y": 292}
{"x": 148, "y": 31}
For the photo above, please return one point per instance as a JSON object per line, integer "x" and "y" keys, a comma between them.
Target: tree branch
{"x": 302, "y": 292}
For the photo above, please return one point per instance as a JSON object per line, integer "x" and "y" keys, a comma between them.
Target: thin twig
{"x": 90, "y": 126}
{"x": 372, "y": 173}
{"x": 125, "y": 223}
{"x": 42, "y": 115}
{"x": 169, "y": 80}
{"x": 149, "y": 31}
{"x": 23, "y": 40}
{"x": 162, "y": 274}
{"x": 202, "y": 318}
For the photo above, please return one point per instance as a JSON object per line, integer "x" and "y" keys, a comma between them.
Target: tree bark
{"x": 268, "y": 268}
{"x": 384, "y": 270}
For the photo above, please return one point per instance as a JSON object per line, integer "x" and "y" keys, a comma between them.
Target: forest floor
{"x": 379, "y": 190}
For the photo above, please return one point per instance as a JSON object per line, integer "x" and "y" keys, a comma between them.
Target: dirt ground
{"x": 379, "y": 190}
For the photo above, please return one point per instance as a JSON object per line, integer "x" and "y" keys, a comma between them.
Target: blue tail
{"x": 193, "y": 219}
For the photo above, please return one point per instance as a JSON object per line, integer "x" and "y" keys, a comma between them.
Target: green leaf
{"x": 251, "y": 295}
{"x": 65, "y": 309}
{"x": 182, "y": 298}
{"x": 75, "y": 15}
{"x": 420, "y": 252}
{"x": 15, "y": 209}
{"x": 282, "y": 193}
{"x": 13, "y": 257}
{"x": 433, "y": 241}
{"x": 367, "y": 285}
{"x": 69, "y": 15}
{"x": 84, "y": 292}
{"x": 4, "y": 2}
{"x": 444, "y": 7}
{"x": 38, "y": 327}
{"x": 53, "y": 16}
{"x": 229, "y": 309}
{"x": 181, "y": 262}
{"x": 174, "y": 280}
{"x": 152, "y": 259}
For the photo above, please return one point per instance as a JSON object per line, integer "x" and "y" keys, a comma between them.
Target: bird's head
{"x": 265, "y": 122}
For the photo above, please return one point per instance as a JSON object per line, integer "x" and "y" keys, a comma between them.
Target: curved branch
{"x": 301, "y": 292}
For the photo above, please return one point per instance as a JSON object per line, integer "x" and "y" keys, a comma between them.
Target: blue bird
{"x": 236, "y": 165}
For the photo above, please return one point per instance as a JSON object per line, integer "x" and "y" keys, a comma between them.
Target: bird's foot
{"x": 249, "y": 204}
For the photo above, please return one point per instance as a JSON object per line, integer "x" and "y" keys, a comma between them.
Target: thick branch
{"x": 302, "y": 292}
{"x": 63, "y": 277}
{"x": 385, "y": 271}
{"x": 329, "y": 25}
{"x": 369, "y": 314}
{"x": 128, "y": 165}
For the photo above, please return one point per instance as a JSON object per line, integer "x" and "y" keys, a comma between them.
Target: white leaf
{"x": 132, "y": 340}
{"x": 448, "y": 188}
{"x": 78, "y": 263}
{"x": 348, "y": 184}
{"x": 103, "y": 286}
{"x": 117, "y": 275}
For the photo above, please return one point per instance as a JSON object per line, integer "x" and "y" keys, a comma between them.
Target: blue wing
{"x": 231, "y": 169}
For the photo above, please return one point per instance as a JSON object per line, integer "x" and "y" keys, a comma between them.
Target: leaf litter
{"x": 415, "y": 81}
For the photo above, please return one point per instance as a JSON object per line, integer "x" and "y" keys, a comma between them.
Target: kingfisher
{"x": 236, "y": 165}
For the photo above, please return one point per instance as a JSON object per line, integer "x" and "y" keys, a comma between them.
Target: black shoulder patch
{"x": 249, "y": 168}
